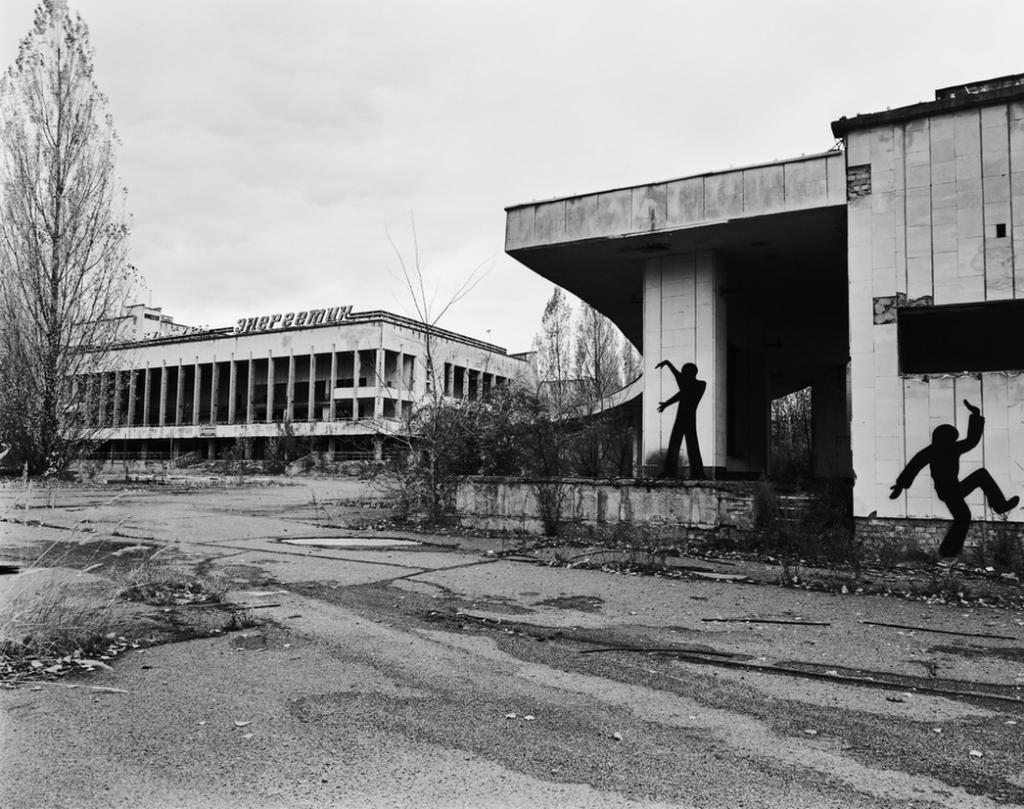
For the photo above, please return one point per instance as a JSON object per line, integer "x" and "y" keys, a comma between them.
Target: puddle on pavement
{"x": 354, "y": 543}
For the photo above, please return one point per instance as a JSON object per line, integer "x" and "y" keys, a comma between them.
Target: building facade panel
{"x": 960, "y": 230}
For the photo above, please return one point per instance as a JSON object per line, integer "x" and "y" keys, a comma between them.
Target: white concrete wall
{"x": 939, "y": 186}
{"x": 804, "y": 182}
{"x": 684, "y": 321}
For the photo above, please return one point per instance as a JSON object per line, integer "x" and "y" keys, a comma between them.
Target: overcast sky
{"x": 267, "y": 147}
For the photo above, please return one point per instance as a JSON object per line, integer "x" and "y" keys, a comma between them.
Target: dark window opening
{"x": 1001, "y": 230}
{"x": 967, "y": 337}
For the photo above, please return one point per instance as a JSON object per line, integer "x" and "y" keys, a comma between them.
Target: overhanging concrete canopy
{"x": 779, "y": 228}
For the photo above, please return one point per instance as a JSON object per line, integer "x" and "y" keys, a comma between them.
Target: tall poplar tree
{"x": 554, "y": 347}
{"x": 598, "y": 356}
{"x": 63, "y": 232}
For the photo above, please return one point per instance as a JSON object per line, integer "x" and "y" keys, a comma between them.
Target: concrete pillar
{"x": 401, "y": 383}
{"x": 116, "y": 409}
{"x": 162, "y": 414}
{"x": 130, "y": 421}
{"x": 250, "y": 394}
{"x": 356, "y": 371}
{"x": 685, "y": 321}
{"x": 211, "y": 449}
{"x": 146, "y": 391}
{"x": 270, "y": 386}
{"x": 310, "y": 414}
{"x": 214, "y": 398}
{"x": 179, "y": 398}
{"x": 378, "y": 396}
{"x": 101, "y": 408}
{"x": 331, "y": 383}
{"x": 378, "y": 448}
{"x": 232, "y": 388}
{"x": 289, "y": 394}
{"x": 465, "y": 382}
{"x": 196, "y": 390}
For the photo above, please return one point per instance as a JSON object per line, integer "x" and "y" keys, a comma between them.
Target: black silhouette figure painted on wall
{"x": 691, "y": 390}
{"x": 942, "y": 457}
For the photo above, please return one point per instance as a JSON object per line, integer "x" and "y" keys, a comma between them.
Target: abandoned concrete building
{"x": 887, "y": 274}
{"x": 345, "y": 380}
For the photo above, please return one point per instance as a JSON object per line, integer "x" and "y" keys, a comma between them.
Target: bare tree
{"x": 440, "y": 434}
{"x": 63, "y": 231}
{"x": 554, "y": 350}
{"x": 598, "y": 357}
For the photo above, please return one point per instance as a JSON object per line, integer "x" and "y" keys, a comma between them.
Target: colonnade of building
{"x": 319, "y": 386}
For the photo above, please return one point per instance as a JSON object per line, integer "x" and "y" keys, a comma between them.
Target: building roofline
{"x": 767, "y": 164}
{"x": 373, "y": 316}
{"x": 947, "y": 99}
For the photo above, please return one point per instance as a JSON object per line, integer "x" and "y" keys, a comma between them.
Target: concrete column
{"x": 232, "y": 388}
{"x": 400, "y": 369}
{"x": 211, "y": 449}
{"x": 214, "y": 398}
{"x": 116, "y": 419}
{"x": 465, "y": 382}
{"x": 101, "y": 410}
{"x": 162, "y": 414}
{"x": 378, "y": 397}
{"x": 356, "y": 371}
{"x": 250, "y": 392}
{"x": 378, "y": 448}
{"x": 179, "y": 399}
{"x": 130, "y": 421}
{"x": 331, "y": 384}
{"x": 270, "y": 386}
{"x": 289, "y": 394}
{"x": 196, "y": 389}
{"x": 449, "y": 379}
{"x": 146, "y": 390}
{"x": 310, "y": 415}
{"x": 685, "y": 321}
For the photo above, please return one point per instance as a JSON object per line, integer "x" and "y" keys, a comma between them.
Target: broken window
{"x": 964, "y": 337}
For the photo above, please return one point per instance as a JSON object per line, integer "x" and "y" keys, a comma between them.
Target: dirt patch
{"x": 578, "y": 603}
{"x": 262, "y": 638}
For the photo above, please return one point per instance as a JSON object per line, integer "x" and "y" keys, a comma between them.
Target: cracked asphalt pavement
{"x": 446, "y": 675}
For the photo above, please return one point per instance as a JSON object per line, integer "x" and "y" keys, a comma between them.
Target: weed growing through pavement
{"x": 70, "y": 603}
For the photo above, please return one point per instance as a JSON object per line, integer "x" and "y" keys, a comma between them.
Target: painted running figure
{"x": 691, "y": 390}
{"x": 942, "y": 457}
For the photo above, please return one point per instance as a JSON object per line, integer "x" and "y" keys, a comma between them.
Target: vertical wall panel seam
{"x": 931, "y": 201}
{"x": 981, "y": 171}
{"x": 931, "y": 210}
{"x": 906, "y": 225}
{"x": 903, "y": 458}
{"x": 1009, "y": 224}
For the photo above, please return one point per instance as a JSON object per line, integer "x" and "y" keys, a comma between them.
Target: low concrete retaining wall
{"x": 995, "y": 540}
{"x": 605, "y": 509}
